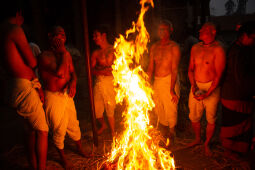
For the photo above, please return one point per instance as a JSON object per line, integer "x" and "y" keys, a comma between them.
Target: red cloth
{"x": 238, "y": 105}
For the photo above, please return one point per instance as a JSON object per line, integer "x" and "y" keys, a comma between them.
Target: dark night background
{"x": 40, "y": 15}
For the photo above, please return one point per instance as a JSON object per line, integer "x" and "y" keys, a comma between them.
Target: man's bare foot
{"x": 80, "y": 149}
{"x": 208, "y": 151}
{"x": 231, "y": 155}
{"x": 65, "y": 163}
{"x": 84, "y": 154}
{"x": 194, "y": 143}
{"x": 101, "y": 130}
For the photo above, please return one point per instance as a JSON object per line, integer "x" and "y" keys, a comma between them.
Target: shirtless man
{"x": 104, "y": 94}
{"x": 207, "y": 63}
{"x": 58, "y": 75}
{"x": 164, "y": 60}
{"x": 24, "y": 91}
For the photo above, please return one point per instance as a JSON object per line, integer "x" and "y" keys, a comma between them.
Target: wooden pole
{"x": 87, "y": 55}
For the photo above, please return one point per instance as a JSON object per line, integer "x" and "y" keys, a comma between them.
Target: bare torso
{"x": 204, "y": 61}
{"x": 163, "y": 57}
{"x": 48, "y": 66}
{"x": 102, "y": 61}
{"x": 16, "y": 53}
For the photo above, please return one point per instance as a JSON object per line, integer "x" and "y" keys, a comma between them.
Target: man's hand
{"x": 174, "y": 97}
{"x": 72, "y": 89}
{"x": 58, "y": 45}
{"x": 41, "y": 94}
{"x": 194, "y": 89}
{"x": 201, "y": 96}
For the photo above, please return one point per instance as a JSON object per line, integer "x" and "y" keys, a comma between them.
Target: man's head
{"x": 13, "y": 9}
{"x": 246, "y": 33}
{"x": 207, "y": 33}
{"x": 165, "y": 28}
{"x": 100, "y": 35}
{"x": 57, "y": 32}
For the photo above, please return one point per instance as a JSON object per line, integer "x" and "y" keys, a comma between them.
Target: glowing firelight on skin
{"x": 136, "y": 148}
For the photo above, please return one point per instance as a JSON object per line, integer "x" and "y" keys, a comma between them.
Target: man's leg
{"x": 112, "y": 125}
{"x": 197, "y": 130}
{"x": 80, "y": 149}
{"x": 196, "y": 111}
{"x": 31, "y": 142}
{"x": 172, "y": 136}
{"x": 65, "y": 162}
{"x": 211, "y": 106}
{"x": 209, "y": 133}
{"x": 103, "y": 126}
{"x": 42, "y": 147}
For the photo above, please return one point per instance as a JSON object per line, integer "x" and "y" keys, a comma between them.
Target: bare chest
{"x": 204, "y": 56}
{"x": 105, "y": 57}
{"x": 162, "y": 55}
{"x": 53, "y": 63}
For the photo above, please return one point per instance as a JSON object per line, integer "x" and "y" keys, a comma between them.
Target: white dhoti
{"x": 209, "y": 104}
{"x": 61, "y": 117}
{"x": 24, "y": 97}
{"x": 104, "y": 96}
{"x": 165, "y": 109}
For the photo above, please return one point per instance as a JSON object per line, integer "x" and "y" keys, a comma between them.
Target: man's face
{"x": 207, "y": 33}
{"x": 19, "y": 18}
{"x": 163, "y": 31}
{"x": 59, "y": 34}
{"x": 248, "y": 40}
{"x": 98, "y": 37}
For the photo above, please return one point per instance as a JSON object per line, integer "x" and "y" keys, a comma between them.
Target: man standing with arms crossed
{"x": 164, "y": 60}
{"x": 24, "y": 90}
{"x": 207, "y": 63}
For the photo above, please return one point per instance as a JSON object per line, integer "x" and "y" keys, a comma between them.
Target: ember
{"x": 138, "y": 146}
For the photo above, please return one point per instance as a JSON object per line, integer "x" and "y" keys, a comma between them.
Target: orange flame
{"x": 136, "y": 148}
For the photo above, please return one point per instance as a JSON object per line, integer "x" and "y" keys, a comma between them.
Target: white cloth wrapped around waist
{"x": 104, "y": 96}
{"x": 62, "y": 117}
{"x": 22, "y": 95}
{"x": 165, "y": 109}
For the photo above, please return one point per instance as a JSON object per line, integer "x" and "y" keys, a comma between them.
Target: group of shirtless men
{"x": 53, "y": 107}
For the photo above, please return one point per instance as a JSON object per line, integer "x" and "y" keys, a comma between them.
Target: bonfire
{"x": 138, "y": 146}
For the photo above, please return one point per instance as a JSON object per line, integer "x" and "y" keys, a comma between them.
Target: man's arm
{"x": 59, "y": 50}
{"x": 22, "y": 44}
{"x": 176, "y": 55}
{"x": 219, "y": 64}
{"x": 93, "y": 62}
{"x": 191, "y": 71}
{"x": 151, "y": 64}
{"x": 24, "y": 48}
{"x": 73, "y": 80}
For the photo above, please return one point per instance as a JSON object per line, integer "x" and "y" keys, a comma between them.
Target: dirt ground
{"x": 13, "y": 157}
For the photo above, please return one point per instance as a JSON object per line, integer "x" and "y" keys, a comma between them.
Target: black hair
{"x": 247, "y": 27}
{"x": 10, "y": 8}
{"x": 53, "y": 28}
{"x": 211, "y": 24}
{"x": 166, "y": 22}
{"x": 102, "y": 29}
